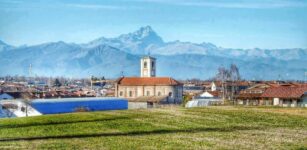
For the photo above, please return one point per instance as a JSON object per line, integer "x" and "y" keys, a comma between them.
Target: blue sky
{"x": 226, "y": 23}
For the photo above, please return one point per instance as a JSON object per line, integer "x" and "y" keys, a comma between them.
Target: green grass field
{"x": 220, "y": 127}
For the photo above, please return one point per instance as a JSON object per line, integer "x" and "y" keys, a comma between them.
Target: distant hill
{"x": 111, "y": 56}
{"x": 4, "y": 46}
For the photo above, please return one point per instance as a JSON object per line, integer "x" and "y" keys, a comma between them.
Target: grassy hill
{"x": 165, "y": 128}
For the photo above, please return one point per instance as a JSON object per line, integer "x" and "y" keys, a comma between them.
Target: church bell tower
{"x": 148, "y": 66}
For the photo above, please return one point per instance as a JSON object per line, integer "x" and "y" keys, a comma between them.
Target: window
{"x": 170, "y": 94}
{"x": 23, "y": 109}
{"x": 121, "y": 93}
{"x": 130, "y": 93}
{"x": 159, "y": 93}
{"x": 148, "y": 93}
{"x": 152, "y": 64}
{"x": 145, "y": 64}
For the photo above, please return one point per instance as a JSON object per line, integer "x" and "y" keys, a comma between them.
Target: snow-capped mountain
{"x": 111, "y": 56}
{"x": 146, "y": 40}
{"x": 138, "y": 42}
{"x": 4, "y": 46}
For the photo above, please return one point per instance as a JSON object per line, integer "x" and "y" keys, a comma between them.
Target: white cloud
{"x": 11, "y": 1}
{"x": 255, "y": 4}
{"x": 101, "y": 6}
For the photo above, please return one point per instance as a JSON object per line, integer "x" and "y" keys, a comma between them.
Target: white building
{"x": 209, "y": 94}
{"x": 213, "y": 86}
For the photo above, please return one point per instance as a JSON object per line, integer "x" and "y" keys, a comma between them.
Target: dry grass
{"x": 222, "y": 127}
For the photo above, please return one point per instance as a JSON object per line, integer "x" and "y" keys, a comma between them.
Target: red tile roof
{"x": 285, "y": 92}
{"x": 249, "y": 95}
{"x": 133, "y": 81}
{"x": 214, "y": 93}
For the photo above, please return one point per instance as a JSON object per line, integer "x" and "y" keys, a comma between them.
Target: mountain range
{"x": 113, "y": 57}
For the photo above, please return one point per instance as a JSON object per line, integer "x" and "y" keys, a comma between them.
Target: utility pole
{"x": 122, "y": 73}
{"x": 232, "y": 90}
{"x": 91, "y": 80}
{"x": 223, "y": 86}
{"x": 30, "y": 70}
{"x": 30, "y": 73}
{"x": 49, "y": 82}
{"x": 279, "y": 78}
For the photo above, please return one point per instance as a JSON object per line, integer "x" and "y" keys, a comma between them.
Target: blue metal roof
{"x": 67, "y": 105}
{"x": 76, "y": 99}
{"x": 6, "y": 96}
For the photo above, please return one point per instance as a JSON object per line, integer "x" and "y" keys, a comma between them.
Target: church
{"x": 149, "y": 88}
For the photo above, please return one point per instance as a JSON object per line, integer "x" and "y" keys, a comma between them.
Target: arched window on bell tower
{"x": 145, "y": 64}
{"x": 148, "y": 66}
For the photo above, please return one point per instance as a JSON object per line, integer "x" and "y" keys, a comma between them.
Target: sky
{"x": 271, "y": 24}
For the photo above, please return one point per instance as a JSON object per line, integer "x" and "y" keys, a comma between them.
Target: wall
{"x": 138, "y": 91}
{"x": 303, "y": 103}
{"x": 275, "y": 101}
{"x": 137, "y": 105}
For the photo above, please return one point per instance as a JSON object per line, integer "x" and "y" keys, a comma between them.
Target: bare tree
{"x": 225, "y": 75}
{"x": 234, "y": 73}
{"x": 26, "y": 98}
{"x": 235, "y": 77}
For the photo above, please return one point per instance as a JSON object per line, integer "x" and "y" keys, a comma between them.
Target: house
{"x": 273, "y": 94}
{"x": 252, "y": 95}
{"x": 286, "y": 95}
{"x": 148, "y": 88}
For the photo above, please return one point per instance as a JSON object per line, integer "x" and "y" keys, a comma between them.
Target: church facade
{"x": 148, "y": 87}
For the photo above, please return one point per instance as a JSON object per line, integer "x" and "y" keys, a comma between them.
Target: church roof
{"x": 149, "y": 81}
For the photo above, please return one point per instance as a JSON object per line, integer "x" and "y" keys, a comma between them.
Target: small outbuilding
{"x": 209, "y": 94}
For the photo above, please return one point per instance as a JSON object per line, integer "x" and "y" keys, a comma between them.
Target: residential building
{"x": 286, "y": 96}
{"x": 274, "y": 94}
{"x": 252, "y": 95}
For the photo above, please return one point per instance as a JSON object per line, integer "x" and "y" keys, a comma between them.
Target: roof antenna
{"x": 122, "y": 74}
{"x": 30, "y": 70}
